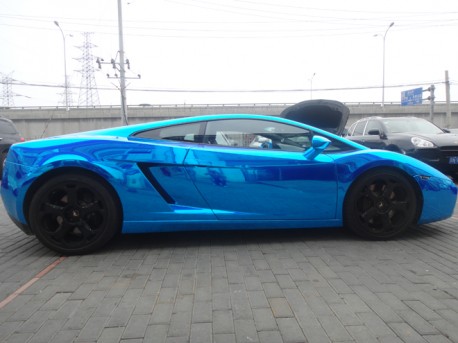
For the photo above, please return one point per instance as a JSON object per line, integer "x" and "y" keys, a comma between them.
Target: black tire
{"x": 380, "y": 205}
{"x": 74, "y": 214}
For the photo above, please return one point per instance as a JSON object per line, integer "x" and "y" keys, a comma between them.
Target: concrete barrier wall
{"x": 44, "y": 122}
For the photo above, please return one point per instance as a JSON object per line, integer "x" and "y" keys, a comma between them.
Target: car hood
{"x": 329, "y": 115}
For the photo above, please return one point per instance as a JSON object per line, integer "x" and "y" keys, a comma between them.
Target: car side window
{"x": 192, "y": 132}
{"x": 372, "y": 125}
{"x": 359, "y": 128}
{"x": 258, "y": 134}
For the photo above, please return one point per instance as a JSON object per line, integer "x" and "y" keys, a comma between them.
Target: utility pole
{"x": 120, "y": 66}
{"x": 122, "y": 70}
{"x": 448, "y": 113}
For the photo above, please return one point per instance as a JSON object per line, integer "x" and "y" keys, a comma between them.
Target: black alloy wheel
{"x": 74, "y": 214}
{"x": 380, "y": 205}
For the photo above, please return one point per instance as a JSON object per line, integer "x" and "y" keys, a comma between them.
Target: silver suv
{"x": 8, "y": 136}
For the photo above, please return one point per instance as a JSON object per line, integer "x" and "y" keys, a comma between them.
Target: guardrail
{"x": 251, "y": 104}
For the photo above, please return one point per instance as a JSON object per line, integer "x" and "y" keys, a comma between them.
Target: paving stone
{"x": 272, "y": 290}
{"x": 161, "y": 314}
{"x": 257, "y": 299}
{"x": 47, "y": 331}
{"x": 110, "y": 334}
{"x": 224, "y": 338}
{"x": 264, "y": 319}
{"x": 136, "y": 327}
{"x": 223, "y": 321}
{"x": 334, "y": 328}
{"x": 270, "y": 337}
{"x": 64, "y": 336}
{"x": 156, "y": 333}
{"x": 290, "y": 330}
{"x": 280, "y": 307}
{"x": 201, "y": 333}
{"x": 245, "y": 331}
{"x": 180, "y": 324}
{"x": 417, "y": 322}
{"x": 406, "y": 333}
{"x": 361, "y": 334}
{"x": 202, "y": 312}
{"x": 92, "y": 330}
{"x": 221, "y": 301}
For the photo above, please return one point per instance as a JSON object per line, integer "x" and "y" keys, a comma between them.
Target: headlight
{"x": 421, "y": 143}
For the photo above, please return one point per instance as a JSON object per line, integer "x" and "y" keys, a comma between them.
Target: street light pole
{"x": 65, "y": 66}
{"x": 311, "y": 85}
{"x": 383, "y": 78}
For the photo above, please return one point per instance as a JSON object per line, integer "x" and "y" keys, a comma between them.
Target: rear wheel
{"x": 380, "y": 205}
{"x": 74, "y": 214}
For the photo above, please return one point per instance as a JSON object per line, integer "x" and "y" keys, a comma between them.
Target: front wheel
{"x": 380, "y": 205}
{"x": 74, "y": 214}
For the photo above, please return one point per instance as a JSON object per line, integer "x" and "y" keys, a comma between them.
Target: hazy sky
{"x": 232, "y": 51}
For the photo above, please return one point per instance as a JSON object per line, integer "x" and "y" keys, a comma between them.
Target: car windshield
{"x": 7, "y": 129}
{"x": 418, "y": 125}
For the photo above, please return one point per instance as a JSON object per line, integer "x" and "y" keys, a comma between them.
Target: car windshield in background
{"x": 399, "y": 125}
{"x": 7, "y": 129}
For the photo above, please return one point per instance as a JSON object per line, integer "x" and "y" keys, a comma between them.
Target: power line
{"x": 15, "y": 82}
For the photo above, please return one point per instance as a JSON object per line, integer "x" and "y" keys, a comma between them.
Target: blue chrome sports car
{"x": 75, "y": 192}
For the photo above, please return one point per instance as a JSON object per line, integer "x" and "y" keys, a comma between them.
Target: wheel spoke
{"x": 387, "y": 224}
{"x": 369, "y": 214}
{"x": 91, "y": 207}
{"x": 71, "y": 195}
{"x": 62, "y": 231}
{"x": 52, "y": 209}
{"x": 86, "y": 229}
{"x": 369, "y": 194}
{"x": 388, "y": 190}
{"x": 402, "y": 206}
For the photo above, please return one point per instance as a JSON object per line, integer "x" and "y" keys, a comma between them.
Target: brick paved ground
{"x": 276, "y": 286}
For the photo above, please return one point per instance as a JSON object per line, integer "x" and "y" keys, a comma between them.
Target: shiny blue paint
{"x": 166, "y": 185}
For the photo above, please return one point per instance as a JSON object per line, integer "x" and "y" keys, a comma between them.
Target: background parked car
{"x": 8, "y": 136}
{"x": 411, "y": 136}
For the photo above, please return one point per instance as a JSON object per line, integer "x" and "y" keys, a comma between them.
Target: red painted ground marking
{"x": 37, "y": 277}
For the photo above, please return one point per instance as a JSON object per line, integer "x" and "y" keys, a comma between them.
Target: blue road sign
{"x": 412, "y": 97}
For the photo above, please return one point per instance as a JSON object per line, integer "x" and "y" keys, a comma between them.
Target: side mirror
{"x": 377, "y": 132}
{"x": 319, "y": 143}
{"x": 374, "y": 132}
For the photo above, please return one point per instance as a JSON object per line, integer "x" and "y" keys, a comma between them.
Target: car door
{"x": 361, "y": 135}
{"x": 374, "y": 136}
{"x": 256, "y": 169}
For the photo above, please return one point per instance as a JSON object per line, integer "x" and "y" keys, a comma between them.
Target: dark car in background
{"x": 416, "y": 137}
{"x": 8, "y": 136}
